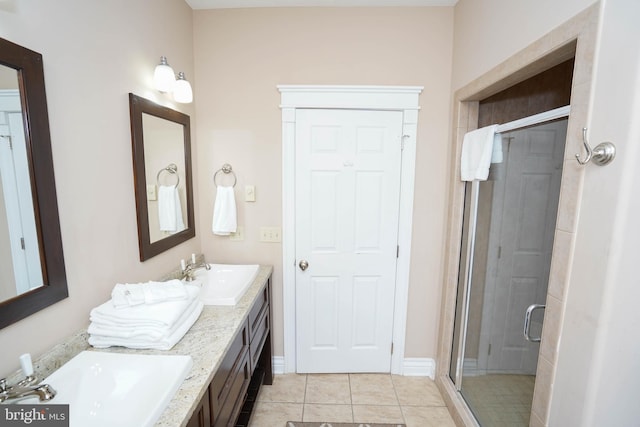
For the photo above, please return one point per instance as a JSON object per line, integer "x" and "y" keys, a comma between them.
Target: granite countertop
{"x": 206, "y": 342}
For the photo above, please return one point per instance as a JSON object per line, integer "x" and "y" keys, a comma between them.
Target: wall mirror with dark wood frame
{"x": 161, "y": 140}
{"x": 32, "y": 270}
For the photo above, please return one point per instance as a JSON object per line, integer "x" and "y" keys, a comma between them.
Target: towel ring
{"x": 226, "y": 169}
{"x": 172, "y": 169}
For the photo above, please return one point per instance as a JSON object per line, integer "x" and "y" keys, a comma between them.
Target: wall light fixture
{"x": 165, "y": 81}
{"x": 182, "y": 91}
{"x": 163, "y": 77}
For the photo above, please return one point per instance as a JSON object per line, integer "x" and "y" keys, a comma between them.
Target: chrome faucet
{"x": 18, "y": 392}
{"x": 188, "y": 269}
{"x": 27, "y": 387}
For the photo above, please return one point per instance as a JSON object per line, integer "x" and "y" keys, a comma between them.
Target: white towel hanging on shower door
{"x": 477, "y": 151}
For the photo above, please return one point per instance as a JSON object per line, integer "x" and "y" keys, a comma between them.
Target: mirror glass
{"x": 161, "y": 140}
{"x": 164, "y": 149}
{"x": 32, "y": 270}
{"x": 20, "y": 264}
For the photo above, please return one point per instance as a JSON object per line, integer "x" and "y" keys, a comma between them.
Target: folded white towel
{"x": 127, "y": 294}
{"x": 171, "y": 290}
{"x": 170, "y": 209}
{"x": 96, "y": 328}
{"x": 224, "y": 212}
{"x": 477, "y": 148}
{"x": 164, "y": 343}
{"x": 163, "y": 314}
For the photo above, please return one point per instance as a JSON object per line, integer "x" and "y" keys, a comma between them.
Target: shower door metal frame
{"x": 466, "y": 284}
{"x": 536, "y": 119}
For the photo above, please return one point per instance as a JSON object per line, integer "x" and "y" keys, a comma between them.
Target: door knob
{"x": 303, "y": 265}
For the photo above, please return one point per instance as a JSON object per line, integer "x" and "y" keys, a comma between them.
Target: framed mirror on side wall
{"x": 161, "y": 141}
{"x": 32, "y": 270}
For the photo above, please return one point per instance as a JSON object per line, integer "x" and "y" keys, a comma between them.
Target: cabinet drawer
{"x": 261, "y": 332}
{"x": 223, "y": 381}
{"x": 260, "y": 307}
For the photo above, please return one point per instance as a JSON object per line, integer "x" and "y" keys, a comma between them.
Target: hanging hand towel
{"x": 477, "y": 150}
{"x": 224, "y": 212}
{"x": 169, "y": 209}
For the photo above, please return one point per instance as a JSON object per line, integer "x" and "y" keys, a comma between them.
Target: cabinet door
{"x": 227, "y": 385}
{"x": 202, "y": 416}
{"x": 228, "y": 412}
{"x": 257, "y": 312}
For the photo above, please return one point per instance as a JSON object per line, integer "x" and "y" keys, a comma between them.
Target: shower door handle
{"x": 527, "y": 322}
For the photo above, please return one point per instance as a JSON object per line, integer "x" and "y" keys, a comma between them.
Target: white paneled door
{"x": 348, "y": 165}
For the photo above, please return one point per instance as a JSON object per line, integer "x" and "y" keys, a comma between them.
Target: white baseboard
{"x": 419, "y": 367}
{"x": 411, "y": 366}
{"x": 278, "y": 364}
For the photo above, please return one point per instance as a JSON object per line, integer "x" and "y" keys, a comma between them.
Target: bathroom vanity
{"x": 231, "y": 350}
{"x": 228, "y": 399}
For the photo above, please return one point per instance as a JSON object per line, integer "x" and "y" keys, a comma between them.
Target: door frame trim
{"x": 390, "y": 98}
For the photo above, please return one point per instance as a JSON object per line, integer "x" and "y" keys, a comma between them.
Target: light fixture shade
{"x": 164, "y": 77}
{"x": 182, "y": 90}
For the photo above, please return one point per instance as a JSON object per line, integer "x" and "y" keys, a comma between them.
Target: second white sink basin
{"x": 112, "y": 389}
{"x": 225, "y": 284}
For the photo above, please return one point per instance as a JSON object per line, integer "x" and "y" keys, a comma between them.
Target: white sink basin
{"x": 225, "y": 284}
{"x": 110, "y": 389}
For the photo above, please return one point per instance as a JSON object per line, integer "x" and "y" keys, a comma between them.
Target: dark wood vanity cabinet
{"x": 230, "y": 382}
{"x": 202, "y": 415}
{"x": 246, "y": 365}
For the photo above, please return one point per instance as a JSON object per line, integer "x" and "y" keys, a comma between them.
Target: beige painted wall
{"x": 241, "y": 55}
{"x": 95, "y": 53}
{"x": 489, "y": 31}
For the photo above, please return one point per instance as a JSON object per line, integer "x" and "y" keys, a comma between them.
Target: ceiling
{"x": 229, "y": 4}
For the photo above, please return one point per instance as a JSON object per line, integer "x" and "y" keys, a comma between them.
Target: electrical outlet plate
{"x": 238, "y": 235}
{"x": 270, "y": 234}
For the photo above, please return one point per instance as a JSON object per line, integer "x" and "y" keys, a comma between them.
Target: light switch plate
{"x": 151, "y": 192}
{"x": 249, "y": 193}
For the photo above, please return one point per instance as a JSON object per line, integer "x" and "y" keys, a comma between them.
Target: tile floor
{"x": 373, "y": 398}
{"x": 500, "y": 400}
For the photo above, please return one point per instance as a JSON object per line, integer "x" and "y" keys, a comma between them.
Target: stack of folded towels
{"x": 152, "y": 315}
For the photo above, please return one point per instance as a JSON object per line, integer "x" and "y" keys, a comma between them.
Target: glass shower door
{"x": 507, "y": 243}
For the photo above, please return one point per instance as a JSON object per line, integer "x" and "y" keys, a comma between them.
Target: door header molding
{"x": 352, "y": 97}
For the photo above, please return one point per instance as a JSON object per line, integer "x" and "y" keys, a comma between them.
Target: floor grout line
{"x": 353, "y": 414}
